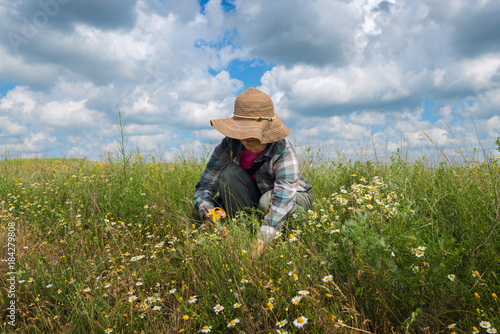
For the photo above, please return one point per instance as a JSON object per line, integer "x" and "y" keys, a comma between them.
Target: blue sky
{"x": 359, "y": 78}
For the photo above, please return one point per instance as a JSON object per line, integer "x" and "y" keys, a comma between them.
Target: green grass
{"x": 118, "y": 246}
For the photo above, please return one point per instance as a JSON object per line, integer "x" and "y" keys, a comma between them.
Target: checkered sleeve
{"x": 206, "y": 188}
{"x": 287, "y": 179}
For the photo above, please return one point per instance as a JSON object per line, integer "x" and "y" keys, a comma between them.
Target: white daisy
{"x": 233, "y": 323}
{"x": 300, "y": 321}
{"x": 218, "y": 308}
{"x": 328, "y": 278}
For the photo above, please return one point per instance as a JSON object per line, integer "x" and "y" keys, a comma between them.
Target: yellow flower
{"x": 185, "y": 317}
{"x": 476, "y": 295}
{"x": 270, "y": 306}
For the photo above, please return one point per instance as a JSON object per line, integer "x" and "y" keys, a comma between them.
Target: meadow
{"x": 116, "y": 247}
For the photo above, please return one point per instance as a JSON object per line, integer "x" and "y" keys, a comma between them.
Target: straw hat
{"x": 253, "y": 117}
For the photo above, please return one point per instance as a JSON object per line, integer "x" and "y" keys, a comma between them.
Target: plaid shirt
{"x": 279, "y": 173}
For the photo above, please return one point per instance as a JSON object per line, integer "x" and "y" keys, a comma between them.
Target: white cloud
{"x": 68, "y": 114}
{"x": 429, "y": 65}
{"x": 368, "y": 118}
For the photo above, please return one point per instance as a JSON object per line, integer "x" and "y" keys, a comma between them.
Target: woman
{"x": 253, "y": 166}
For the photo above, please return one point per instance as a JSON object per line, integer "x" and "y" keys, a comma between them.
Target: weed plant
{"x": 394, "y": 247}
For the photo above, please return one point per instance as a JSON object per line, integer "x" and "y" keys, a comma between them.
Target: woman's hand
{"x": 260, "y": 246}
{"x": 217, "y": 212}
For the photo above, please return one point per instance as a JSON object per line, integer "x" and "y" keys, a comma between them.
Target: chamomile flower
{"x": 491, "y": 330}
{"x": 218, "y": 308}
{"x": 452, "y": 326}
{"x": 300, "y": 321}
{"x": 475, "y": 330}
{"x": 87, "y": 290}
{"x": 485, "y": 324}
{"x": 192, "y": 300}
{"x": 237, "y": 305}
{"x": 172, "y": 291}
{"x": 108, "y": 331}
{"x": 132, "y": 299}
{"x": 328, "y": 278}
{"x": 281, "y": 323}
{"x": 296, "y": 300}
{"x": 281, "y": 331}
{"x": 206, "y": 329}
{"x": 233, "y": 323}
{"x": 156, "y": 308}
{"x": 419, "y": 253}
{"x": 303, "y": 293}
{"x": 292, "y": 238}
{"x": 451, "y": 277}
{"x": 339, "y": 323}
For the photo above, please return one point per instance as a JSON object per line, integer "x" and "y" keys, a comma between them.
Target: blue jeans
{"x": 238, "y": 191}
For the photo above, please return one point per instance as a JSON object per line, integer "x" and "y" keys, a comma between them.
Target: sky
{"x": 356, "y": 79}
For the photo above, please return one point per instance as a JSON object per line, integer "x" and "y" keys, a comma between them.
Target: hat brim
{"x": 264, "y": 130}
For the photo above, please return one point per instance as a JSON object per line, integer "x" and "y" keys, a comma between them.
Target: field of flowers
{"x": 117, "y": 248}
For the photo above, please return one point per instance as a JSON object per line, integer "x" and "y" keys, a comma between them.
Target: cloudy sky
{"x": 360, "y": 78}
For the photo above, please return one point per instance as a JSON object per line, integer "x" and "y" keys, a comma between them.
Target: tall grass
{"x": 386, "y": 248}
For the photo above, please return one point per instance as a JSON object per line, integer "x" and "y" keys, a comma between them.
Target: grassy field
{"x": 117, "y": 247}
